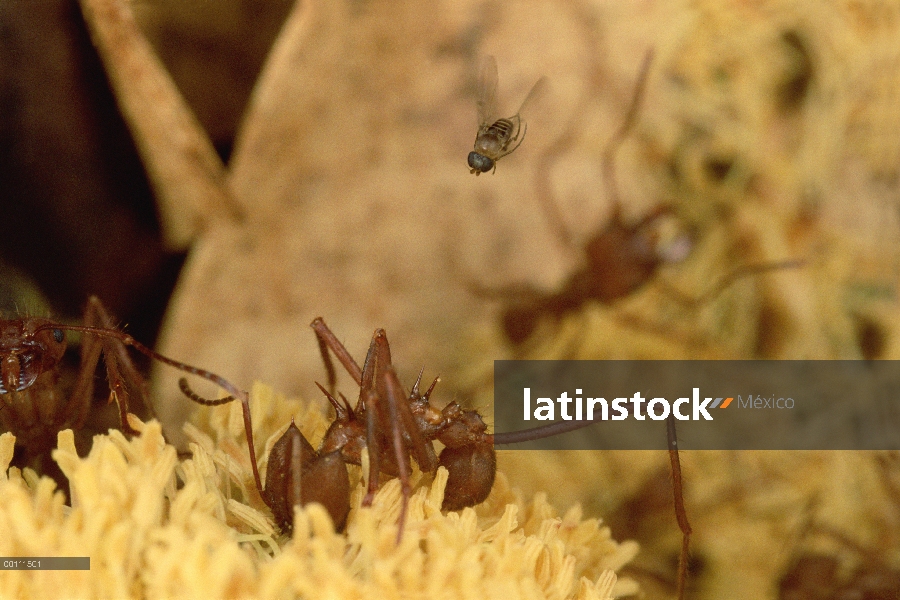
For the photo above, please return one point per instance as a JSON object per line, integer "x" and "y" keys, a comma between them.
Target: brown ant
{"x": 393, "y": 430}
{"x": 618, "y": 260}
{"x": 34, "y": 403}
{"x": 469, "y": 451}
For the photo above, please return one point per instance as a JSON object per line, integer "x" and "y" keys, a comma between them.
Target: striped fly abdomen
{"x": 492, "y": 143}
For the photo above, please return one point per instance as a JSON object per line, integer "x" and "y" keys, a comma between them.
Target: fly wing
{"x": 537, "y": 90}
{"x": 487, "y": 91}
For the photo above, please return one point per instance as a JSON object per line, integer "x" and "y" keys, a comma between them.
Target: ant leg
{"x": 329, "y": 366}
{"x": 564, "y": 142}
{"x": 374, "y": 447}
{"x": 235, "y": 394}
{"x": 327, "y": 340}
{"x": 545, "y": 161}
{"x": 390, "y": 385}
{"x": 382, "y": 349}
{"x": 387, "y": 395}
{"x": 680, "y": 513}
{"x": 82, "y": 394}
{"x": 121, "y": 372}
{"x": 248, "y": 428}
{"x": 367, "y": 379}
{"x": 297, "y": 447}
{"x": 728, "y": 279}
{"x": 609, "y": 154}
{"x": 399, "y": 411}
{"x": 368, "y": 402}
{"x": 124, "y": 380}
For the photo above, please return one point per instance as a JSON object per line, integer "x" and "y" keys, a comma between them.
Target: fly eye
{"x": 58, "y": 335}
{"x": 480, "y": 163}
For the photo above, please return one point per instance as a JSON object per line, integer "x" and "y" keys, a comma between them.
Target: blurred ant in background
{"x": 619, "y": 259}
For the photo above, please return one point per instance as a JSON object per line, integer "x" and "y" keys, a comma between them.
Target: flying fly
{"x": 499, "y": 137}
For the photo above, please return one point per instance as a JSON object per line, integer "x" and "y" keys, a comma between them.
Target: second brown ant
{"x": 35, "y": 401}
{"x": 618, "y": 260}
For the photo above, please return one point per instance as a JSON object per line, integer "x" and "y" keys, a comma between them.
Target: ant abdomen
{"x": 471, "y": 471}
{"x": 283, "y": 490}
{"x": 334, "y": 495}
{"x": 469, "y": 458}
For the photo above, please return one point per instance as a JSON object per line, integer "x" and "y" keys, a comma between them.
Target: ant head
{"x": 28, "y": 347}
